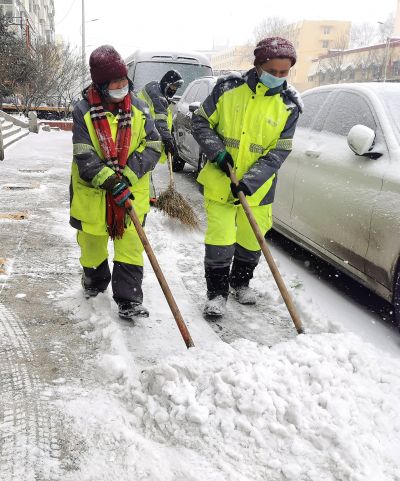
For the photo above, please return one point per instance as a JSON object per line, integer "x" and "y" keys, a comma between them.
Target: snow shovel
{"x": 174, "y": 205}
{"x": 160, "y": 276}
{"x": 268, "y": 257}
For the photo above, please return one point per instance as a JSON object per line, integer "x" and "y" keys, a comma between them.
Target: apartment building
{"x": 31, "y": 18}
{"x": 311, "y": 38}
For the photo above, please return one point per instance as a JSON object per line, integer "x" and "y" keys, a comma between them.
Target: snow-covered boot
{"x": 215, "y": 307}
{"x": 129, "y": 310}
{"x": 245, "y": 295}
{"x": 239, "y": 279}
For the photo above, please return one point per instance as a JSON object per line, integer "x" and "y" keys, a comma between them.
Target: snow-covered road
{"x": 86, "y": 396}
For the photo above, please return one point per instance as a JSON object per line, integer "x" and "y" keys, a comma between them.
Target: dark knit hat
{"x": 274, "y": 47}
{"x": 106, "y": 64}
{"x": 172, "y": 77}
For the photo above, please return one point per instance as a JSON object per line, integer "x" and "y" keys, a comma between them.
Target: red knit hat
{"x": 274, "y": 47}
{"x": 106, "y": 64}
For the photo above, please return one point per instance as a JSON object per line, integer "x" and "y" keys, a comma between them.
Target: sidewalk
{"x": 47, "y": 344}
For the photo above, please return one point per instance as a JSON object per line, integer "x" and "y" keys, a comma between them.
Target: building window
{"x": 325, "y": 43}
{"x": 326, "y": 30}
{"x": 396, "y": 68}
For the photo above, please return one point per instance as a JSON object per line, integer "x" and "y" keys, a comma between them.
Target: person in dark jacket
{"x": 115, "y": 147}
{"x": 158, "y": 96}
{"x": 246, "y": 122}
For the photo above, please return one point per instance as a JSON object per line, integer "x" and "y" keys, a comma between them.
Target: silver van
{"x": 146, "y": 66}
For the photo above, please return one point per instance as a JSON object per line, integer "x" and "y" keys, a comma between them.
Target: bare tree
{"x": 363, "y": 34}
{"x": 337, "y": 58}
{"x": 70, "y": 73}
{"x": 385, "y": 29}
{"x": 43, "y": 75}
{"x": 15, "y": 60}
{"x": 274, "y": 26}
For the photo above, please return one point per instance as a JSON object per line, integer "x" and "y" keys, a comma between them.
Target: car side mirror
{"x": 194, "y": 106}
{"x": 361, "y": 139}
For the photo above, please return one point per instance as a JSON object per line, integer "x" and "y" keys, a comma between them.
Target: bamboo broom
{"x": 174, "y": 205}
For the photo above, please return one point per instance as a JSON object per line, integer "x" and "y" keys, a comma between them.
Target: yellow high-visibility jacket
{"x": 89, "y": 172}
{"x": 255, "y": 125}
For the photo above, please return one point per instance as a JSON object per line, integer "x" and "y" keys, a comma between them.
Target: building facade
{"x": 239, "y": 59}
{"x": 311, "y": 38}
{"x": 30, "y": 18}
{"x": 380, "y": 62}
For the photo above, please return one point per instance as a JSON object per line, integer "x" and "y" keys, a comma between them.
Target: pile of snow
{"x": 322, "y": 407}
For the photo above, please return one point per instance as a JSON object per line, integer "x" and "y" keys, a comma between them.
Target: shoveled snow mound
{"x": 322, "y": 407}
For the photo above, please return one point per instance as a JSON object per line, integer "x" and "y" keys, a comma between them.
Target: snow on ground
{"x": 317, "y": 407}
{"x": 268, "y": 405}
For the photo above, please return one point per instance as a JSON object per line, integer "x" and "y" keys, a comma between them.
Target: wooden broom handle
{"x": 160, "y": 276}
{"x": 171, "y": 174}
{"x": 268, "y": 256}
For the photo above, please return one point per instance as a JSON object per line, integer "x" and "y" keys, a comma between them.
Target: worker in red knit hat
{"x": 246, "y": 124}
{"x": 115, "y": 147}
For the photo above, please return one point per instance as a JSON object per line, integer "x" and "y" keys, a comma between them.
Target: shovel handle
{"x": 268, "y": 257}
{"x": 160, "y": 276}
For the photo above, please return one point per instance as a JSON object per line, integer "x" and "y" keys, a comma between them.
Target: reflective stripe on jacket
{"x": 255, "y": 125}
{"x": 88, "y": 199}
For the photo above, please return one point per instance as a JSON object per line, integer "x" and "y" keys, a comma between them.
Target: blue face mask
{"x": 271, "y": 81}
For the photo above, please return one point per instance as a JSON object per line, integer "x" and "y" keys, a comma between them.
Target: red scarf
{"x": 115, "y": 153}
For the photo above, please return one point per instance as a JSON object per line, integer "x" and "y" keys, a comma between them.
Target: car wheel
{"x": 177, "y": 163}
{"x": 396, "y": 299}
{"x": 202, "y": 162}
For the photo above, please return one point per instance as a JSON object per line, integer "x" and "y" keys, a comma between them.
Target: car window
{"x": 191, "y": 95}
{"x": 203, "y": 91}
{"x": 145, "y": 72}
{"x": 347, "y": 110}
{"x": 312, "y": 104}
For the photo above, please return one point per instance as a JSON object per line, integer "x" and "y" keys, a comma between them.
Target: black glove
{"x": 169, "y": 147}
{"x": 121, "y": 193}
{"x": 222, "y": 160}
{"x": 241, "y": 187}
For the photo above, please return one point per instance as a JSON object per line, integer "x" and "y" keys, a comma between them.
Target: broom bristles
{"x": 174, "y": 205}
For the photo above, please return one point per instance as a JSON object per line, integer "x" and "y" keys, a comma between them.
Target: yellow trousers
{"x": 227, "y": 224}
{"x": 94, "y": 248}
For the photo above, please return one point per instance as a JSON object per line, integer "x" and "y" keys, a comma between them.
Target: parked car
{"x": 146, "y": 66}
{"x": 338, "y": 193}
{"x": 187, "y": 149}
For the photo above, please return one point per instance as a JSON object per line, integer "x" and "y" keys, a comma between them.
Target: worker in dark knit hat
{"x": 158, "y": 96}
{"x": 247, "y": 123}
{"x": 115, "y": 147}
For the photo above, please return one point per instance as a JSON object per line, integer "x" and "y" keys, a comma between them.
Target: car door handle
{"x": 313, "y": 153}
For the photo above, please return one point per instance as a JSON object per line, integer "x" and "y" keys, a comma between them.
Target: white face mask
{"x": 119, "y": 94}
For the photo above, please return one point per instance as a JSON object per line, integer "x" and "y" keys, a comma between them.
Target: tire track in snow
{"x": 29, "y": 446}
{"x": 28, "y": 443}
